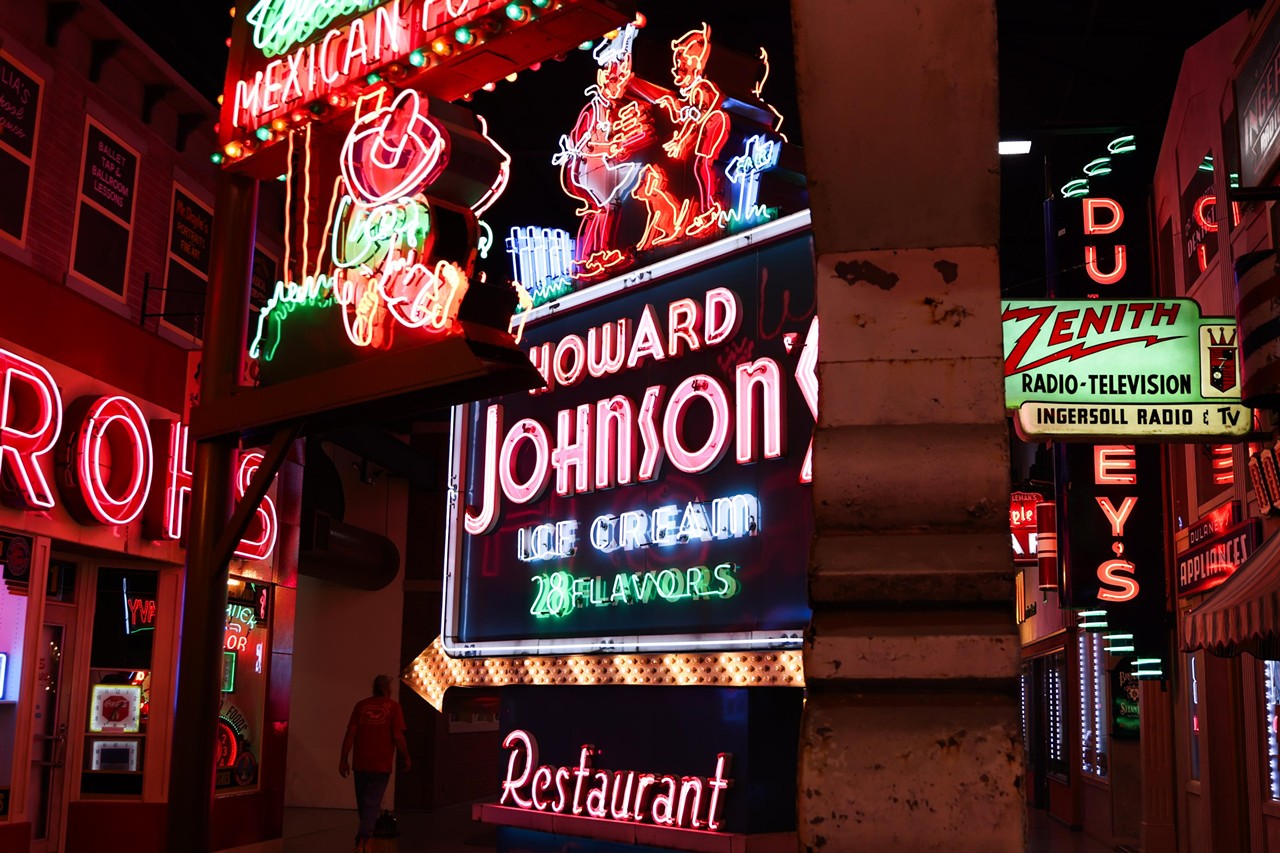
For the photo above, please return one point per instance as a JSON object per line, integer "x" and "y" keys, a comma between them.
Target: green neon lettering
{"x": 670, "y": 584}
{"x": 729, "y": 585}
{"x": 621, "y": 590}
{"x": 369, "y": 234}
{"x": 280, "y": 24}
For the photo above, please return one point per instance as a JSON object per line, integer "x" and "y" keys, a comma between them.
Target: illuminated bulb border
{"x": 433, "y": 672}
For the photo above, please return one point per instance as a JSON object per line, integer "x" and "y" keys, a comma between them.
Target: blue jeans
{"x": 369, "y": 790}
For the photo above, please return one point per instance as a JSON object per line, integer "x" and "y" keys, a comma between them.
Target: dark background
{"x": 1066, "y": 67}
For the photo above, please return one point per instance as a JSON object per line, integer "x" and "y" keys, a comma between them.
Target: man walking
{"x": 375, "y": 731}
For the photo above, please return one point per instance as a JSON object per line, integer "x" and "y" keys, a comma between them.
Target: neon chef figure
{"x": 595, "y": 156}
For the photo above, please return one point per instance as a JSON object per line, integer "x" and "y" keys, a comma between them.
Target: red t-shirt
{"x": 374, "y": 722}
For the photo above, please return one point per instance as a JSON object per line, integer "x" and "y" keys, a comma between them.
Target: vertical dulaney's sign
{"x": 1113, "y": 547}
{"x": 655, "y": 494}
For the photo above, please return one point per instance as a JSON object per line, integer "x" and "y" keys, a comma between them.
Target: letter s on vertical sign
{"x": 260, "y": 546}
{"x": 1119, "y": 574}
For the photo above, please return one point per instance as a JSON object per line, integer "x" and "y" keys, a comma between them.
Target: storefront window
{"x": 1193, "y": 713}
{"x": 1271, "y": 718}
{"x": 1093, "y": 704}
{"x": 15, "y": 562}
{"x": 119, "y": 683}
{"x": 245, "y": 656}
{"x": 1054, "y": 675}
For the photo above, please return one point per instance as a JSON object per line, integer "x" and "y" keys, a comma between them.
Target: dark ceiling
{"x": 1066, "y": 67}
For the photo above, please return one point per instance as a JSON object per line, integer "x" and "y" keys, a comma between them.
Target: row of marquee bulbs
{"x": 471, "y": 35}
{"x": 433, "y": 672}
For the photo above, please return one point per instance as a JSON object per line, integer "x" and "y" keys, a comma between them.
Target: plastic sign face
{"x": 1151, "y": 369}
{"x": 653, "y": 493}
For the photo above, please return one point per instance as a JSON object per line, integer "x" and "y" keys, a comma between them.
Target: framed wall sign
{"x": 655, "y": 495}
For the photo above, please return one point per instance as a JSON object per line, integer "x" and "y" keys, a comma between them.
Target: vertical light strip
{"x": 1271, "y": 670}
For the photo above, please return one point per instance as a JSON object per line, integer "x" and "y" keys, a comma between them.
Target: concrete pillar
{"x": 910, "y": 738}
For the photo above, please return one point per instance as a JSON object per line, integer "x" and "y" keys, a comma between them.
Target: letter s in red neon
{"x": 1117, "y": 573}
{"x": 261, "y": 539}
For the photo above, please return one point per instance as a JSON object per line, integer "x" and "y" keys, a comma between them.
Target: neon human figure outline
{"x": 594, "y": 157}
{"x": 702, "y": 126}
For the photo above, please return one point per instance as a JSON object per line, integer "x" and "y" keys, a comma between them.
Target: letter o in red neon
{"x": 536, "y": 434}
{"x": 713, "y": 449}
{"x": 572, "y": 345}
{"x": 109, "y": 461}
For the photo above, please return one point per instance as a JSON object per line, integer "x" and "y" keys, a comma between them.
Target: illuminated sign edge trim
{"x": 776, "y": 229}
{"x": 737, "y": 641}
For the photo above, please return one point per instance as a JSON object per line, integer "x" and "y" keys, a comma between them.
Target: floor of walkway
{"x": 451, "y": 830}
{"x": 447, "y": 830}
{"x": 1046, "y": 835}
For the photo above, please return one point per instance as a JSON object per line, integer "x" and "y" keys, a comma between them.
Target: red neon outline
{"x": 807, "y": 379}
{"x": 1112, "y": 461}
{"x": 487, "y": 518}
{"x": 1117, "y": 516}
{"x": 684, "y": 316}
{"x": 1092, "y": 205}
{"x": 665, "y": 218}
{"x": 647, "y": 339}
{"x": 178, "y": 481}
{"x": 576, "y": 454}
{"x": 1108, "y": 574}
{"x": 615, "y": 442}
{"x": 1091, "y": 265}
{"x": 89, "y": 463}
{"x": 607, "y": 347}
{"x": 653, "y": 455}
{"x": 703, "y": 127}
{"x": 574, "y": 344}
{"x": 22, "y": 448}
{"x": 525, "y": 429}
{"x": 717, "y": 443}
{"x": 720, "y": 328}
{"x": 762, "y": 372}
{"x": 260, "y": 548}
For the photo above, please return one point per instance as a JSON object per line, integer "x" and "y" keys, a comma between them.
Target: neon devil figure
{"x": 702, "y": 128}
{"x": 595, "y": 161}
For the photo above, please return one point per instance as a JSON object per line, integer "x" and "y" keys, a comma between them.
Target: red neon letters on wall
{"x": 620, "y": 795}
{"x": 30, "y": 420}
{"x": 108, "y": 460}
{"x": 1116, "y": 464}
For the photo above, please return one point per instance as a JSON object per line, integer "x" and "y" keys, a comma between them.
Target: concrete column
{"x": 910, "y": 738}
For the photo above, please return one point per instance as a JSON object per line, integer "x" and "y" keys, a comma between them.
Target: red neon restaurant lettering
{"x": 619, "y": 795}
{"x": 108, "y": 460}
{"x": 1116, "y": 464}
{"x": 618, "y": 441}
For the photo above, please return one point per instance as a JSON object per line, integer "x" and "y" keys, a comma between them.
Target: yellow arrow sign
{"x": 433, "y": 672}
